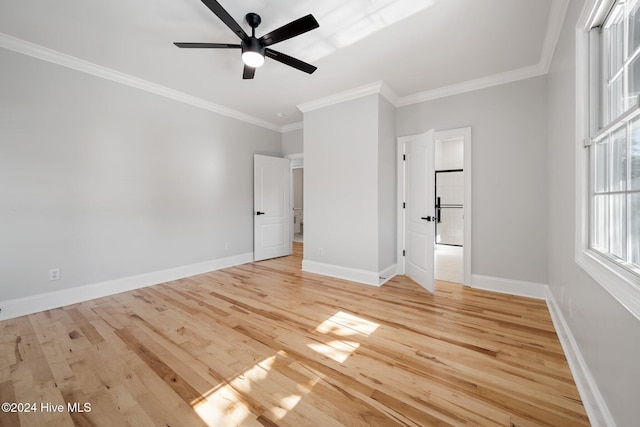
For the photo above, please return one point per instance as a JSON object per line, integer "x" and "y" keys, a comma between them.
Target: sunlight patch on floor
{"x": 344, "y": 325}
{"x": 336, "y": 350}
{"x": 286, "y": 404}
{"x": 222, "y": 406}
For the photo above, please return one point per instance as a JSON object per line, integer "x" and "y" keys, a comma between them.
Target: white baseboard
{"x": 387, "y": 274}
{"x": 353, "y": 274}
{"x": 47, "y": 301}
{"x": 594, "y": 404}
{"x": 507, "y": 286}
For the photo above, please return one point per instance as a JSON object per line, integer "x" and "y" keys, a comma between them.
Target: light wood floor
{"x": 266, "y": 344}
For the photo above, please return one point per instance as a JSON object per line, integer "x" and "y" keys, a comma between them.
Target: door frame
{"x": 464, "y": 133}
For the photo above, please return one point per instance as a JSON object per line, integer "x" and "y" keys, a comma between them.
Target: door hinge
{"x": 404, "y": 253}
{"x": 404, "y": 157}
{"x": 586, "y": 143}
{"x": 404, "y": 205}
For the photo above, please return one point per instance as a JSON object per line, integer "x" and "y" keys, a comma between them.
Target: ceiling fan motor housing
{"x": 252, "y": 44}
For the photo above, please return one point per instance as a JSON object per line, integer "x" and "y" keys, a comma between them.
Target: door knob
{"x": 428, "y": 218}
{"x": 259, "y": 213}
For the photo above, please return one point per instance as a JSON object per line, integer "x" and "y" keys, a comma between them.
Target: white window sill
{"x": 623, "y": 285}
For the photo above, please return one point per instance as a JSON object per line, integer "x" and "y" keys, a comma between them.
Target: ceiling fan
{"x": 255, "y": 49}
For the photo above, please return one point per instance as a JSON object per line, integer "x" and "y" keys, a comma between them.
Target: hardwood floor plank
{"x": 266, "y": 344}
{"x": 7, "y": 394}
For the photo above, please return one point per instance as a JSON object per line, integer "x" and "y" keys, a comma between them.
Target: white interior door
{"x": 420, "y": 209}
{"x": 272, "y": 213}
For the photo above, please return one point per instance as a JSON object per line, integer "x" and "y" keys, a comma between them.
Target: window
{"x": 611, "y": 191}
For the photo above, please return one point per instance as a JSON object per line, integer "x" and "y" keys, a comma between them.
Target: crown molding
{"x": 292, "y": 126}
{"x": 557, "y": 14}
{"x": 471, "y": 85}
{"x": 378, "y": 87}
{"x": 388, "y": 93}
{"x": 40, "y": 52}
{"x": 556, "y": 18}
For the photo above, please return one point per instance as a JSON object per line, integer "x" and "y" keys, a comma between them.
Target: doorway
{"x": 297, "y": 197}
{"x": 452, "y": 242}
{"x": 449, "y": 204}
{"x": 298, "y": 203}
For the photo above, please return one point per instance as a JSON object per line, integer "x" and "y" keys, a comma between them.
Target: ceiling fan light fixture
{"x": 253, "y": 59}
{"x": 252, "y": 53}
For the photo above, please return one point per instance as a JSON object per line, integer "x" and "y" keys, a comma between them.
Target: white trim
{"x": 557, "y": 14}
{"x": 49, "y": 300}
{"x": 593, "y": 11}
{"x": 622, "y": 285}
{"x": 378, "y": 87}
{"x": 297, "y": 161}
{"x": 387, "y": 274}
{"x": 388, "y": 94}
{"x": 471, "y": 85}
{"x": 293, "y": 126}
{"x": 353, "y": 274}
{"x": 508, "y": 286}
{"x": 624, "y": 288}
{"x": 400, "y": 200}
{"x": 592, "y": 400}
{"x": 64, "y": 60}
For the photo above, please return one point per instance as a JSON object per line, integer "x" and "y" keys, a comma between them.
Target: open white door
{"x": 272, "y": 213}
{"x": 420, "y": 209}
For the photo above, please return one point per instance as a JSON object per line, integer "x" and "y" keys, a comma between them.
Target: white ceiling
{"x": 442, "y": 43}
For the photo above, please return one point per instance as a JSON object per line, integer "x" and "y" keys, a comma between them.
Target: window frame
{"x": 622, "y": 283}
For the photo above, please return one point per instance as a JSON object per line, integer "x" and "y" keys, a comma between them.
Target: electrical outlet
{"x": 321, "y": 251}
{"x": 227, "y": 246}
{"x": 54, "y": 274}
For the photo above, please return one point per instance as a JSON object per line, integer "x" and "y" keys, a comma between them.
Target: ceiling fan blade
{"x": 248, "y": 72}
{"x": 225, "y": 17}
{"x": 290, "y": 61}
{"x": 208, "y": 45}
{"x": 292, "y": 29}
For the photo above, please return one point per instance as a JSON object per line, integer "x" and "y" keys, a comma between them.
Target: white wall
{"x": 607, "y": 334}
{"x": 341, "y": 198}
{"x": 387, "y": 200}
{"x": 292, "y": 142}
{"x": 508, "y": 125}
{"x": 105, "y": 181}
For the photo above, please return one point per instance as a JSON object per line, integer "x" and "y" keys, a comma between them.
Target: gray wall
{"x": 387, "y": 188}
{"x": 508, "y": 125}
{"x": 106, "y": 181}
{"x": 292, "y": 142}
{"x": 607, "y": 334}
{"x": 341, "y": 204}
